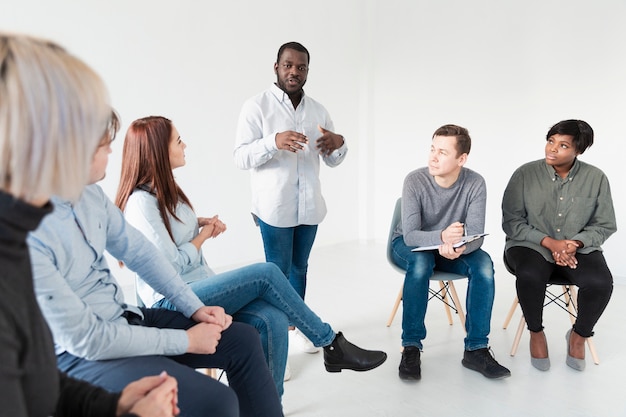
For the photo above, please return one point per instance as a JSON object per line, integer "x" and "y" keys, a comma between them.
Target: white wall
{"x": 390, "y": 72}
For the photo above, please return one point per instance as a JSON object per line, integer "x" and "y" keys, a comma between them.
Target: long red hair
{"x": 146, "y": 165}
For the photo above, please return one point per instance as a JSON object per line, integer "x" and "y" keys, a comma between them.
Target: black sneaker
{"x": 410, "y": 363}
{"x": 482, "y": 360}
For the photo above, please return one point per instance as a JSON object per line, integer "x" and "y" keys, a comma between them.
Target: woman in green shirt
{"x": 556, "y": 213}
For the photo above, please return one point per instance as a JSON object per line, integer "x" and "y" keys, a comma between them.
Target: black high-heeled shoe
{"x": 341, "y": 354}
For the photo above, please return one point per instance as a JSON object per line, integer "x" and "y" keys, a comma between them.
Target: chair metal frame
{"x": 446, "y": 293}
{"x": 566, "y": 299}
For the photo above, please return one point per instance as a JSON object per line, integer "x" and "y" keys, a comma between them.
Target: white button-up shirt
{"x": 286, "y": 189}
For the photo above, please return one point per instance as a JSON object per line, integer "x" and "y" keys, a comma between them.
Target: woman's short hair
{"x": 578, "y": 129}
{"x": 54, "y": 110}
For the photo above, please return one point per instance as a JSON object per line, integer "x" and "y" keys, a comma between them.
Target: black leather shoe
{"x": 341, "y": 354}
{"x": 410, "y": 364}
{"x": 482, "y": 360}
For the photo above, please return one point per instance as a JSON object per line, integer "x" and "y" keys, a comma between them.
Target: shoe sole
{"x": 474, "y": 368}
{"x": 340, "y": 367}
{"x": 409, "y": 377}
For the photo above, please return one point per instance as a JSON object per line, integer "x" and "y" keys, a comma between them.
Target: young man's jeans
{"x": 260, "y": 295}
{"x": 289, "y": 248}
{"x": 477, "y": 266}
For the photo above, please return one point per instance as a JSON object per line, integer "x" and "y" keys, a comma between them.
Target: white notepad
{"x": 464, "y": 241}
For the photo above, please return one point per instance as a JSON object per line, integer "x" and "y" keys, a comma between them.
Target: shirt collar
{"x": 281, "y": 95}
{"x": 570, "y": 175}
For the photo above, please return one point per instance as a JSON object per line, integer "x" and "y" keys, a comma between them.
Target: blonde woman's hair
{"x": 54, "y": 111}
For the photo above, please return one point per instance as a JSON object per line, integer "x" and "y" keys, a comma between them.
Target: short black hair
{"x": 296, "y": 46}
{"x": 578, "y": 129}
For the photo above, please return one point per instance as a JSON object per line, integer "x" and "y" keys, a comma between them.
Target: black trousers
{"x": 250, "y": 391}
{"x": 591, "y": 276}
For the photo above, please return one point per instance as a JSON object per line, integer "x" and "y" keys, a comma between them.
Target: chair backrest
{"x": 395, "y": 220}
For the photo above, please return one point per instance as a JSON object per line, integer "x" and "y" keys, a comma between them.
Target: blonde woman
{"x": 54, "y": 111}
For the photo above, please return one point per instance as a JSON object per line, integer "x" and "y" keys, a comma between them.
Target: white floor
{"x": 353, "y": 288}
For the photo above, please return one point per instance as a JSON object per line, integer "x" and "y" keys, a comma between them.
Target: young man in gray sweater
{"x": 441, "y": 204}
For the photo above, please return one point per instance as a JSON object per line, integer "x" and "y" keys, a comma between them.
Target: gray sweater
{"x": 427, "y": 208}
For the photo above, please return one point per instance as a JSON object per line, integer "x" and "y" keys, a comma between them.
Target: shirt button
{"x": 561, "y": 198}
{"x": 558, "y": 230}
{"x": 560, "y": 214}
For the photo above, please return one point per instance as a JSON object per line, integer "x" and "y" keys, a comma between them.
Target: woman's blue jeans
{"x": 289, "y": 248}
{"x": 476, "y": 266}
{"x": 260, "y": 295}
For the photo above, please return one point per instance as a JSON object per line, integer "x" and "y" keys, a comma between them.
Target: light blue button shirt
{"x": 78, "y": 295}
{"x": 142, "y": 212}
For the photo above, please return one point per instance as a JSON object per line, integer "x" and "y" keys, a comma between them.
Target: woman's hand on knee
{"x": 151, "y": 396}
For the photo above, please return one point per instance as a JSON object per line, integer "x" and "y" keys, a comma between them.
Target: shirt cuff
{"x": 270, "y": 143}
{"x": 192, "y": 252}
{"x": 536, "y": 236}
{"x": 340, "y": 151}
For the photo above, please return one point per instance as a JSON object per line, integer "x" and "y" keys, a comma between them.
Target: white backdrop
{"x": 390, "y": 72}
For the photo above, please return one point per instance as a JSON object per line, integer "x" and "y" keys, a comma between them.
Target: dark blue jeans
{"x": 251, "y": 391}
{"x": 259, "y": 295}
{"x": 289, "y": 248}
{"x": 476, "y": 266}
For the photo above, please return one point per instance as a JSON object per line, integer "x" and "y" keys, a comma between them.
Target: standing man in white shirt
{"x": 281, "y": 136}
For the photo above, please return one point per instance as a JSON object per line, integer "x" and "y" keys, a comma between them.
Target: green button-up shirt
{"x": 537, "y": 203}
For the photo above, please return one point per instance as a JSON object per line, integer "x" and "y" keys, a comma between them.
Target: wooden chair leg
{"x": 509, "y": 316}
{"x": 212, "y": 372}
{"x": 573, "y": 308}
{"x": 457, "y": 303}
{"x": 395, "y": 308}
{"x": 444, "y": 295}
{"x": 592, "y": 350}
{"x": 518, "y": 336}
{"x": 571, "y": 298}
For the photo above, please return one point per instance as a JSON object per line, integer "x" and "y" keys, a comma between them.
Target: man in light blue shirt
{"x": 102, "y": 339}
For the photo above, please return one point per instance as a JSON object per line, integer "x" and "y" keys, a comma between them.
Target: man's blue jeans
{"x": 289, "y": 248}
{"x": 260, "y": 295}
{"x": 419, "y": 266}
